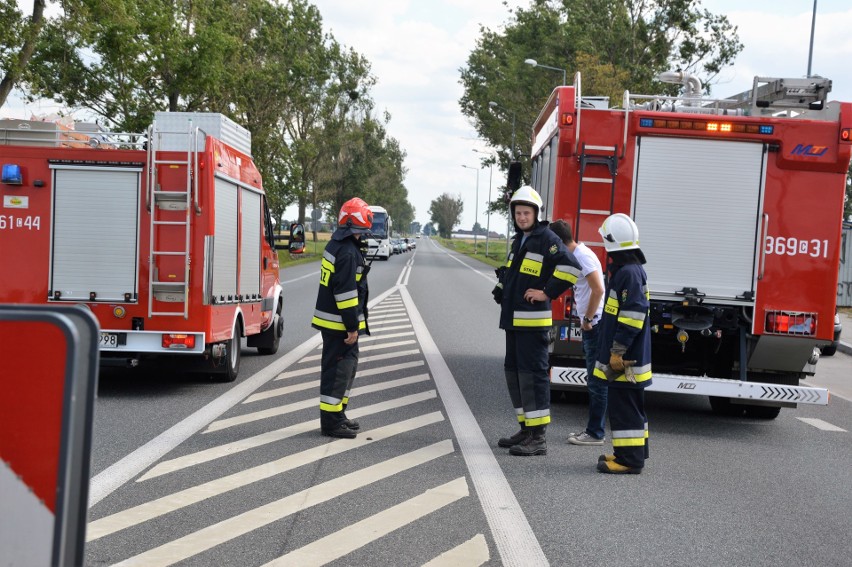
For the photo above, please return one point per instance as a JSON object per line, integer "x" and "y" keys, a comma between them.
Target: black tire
{"x": 829, "y": 350}
{"x": 228, "y": 367}
{"x": 762, "y": 412}
{"x": 723, "y": 406}
{"x": 272, "y": 336}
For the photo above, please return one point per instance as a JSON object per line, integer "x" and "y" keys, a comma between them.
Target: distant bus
{"x": 379, "y": 245}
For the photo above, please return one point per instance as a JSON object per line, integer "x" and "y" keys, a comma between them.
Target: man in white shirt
{"x": 588, "y": 300}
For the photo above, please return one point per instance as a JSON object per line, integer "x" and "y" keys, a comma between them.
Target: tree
{"x": 445, "y": 211}
{"x": 18, "y": 40}
{"x": 616, "y": 44}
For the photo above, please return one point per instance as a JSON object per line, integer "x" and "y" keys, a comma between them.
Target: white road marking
{"x": 516, "y": 542}
{"x": 109, "y": 479}
{"x": 820, "y": 424}
{"x": 492, "y": 279}
{"x": 226, "y": 530}
{"x": 234, "y": 447}
{"x": 383, "y": 336}
{"x": 311, "y": 275}
{"x": 393, "y": 328}
{"x": 342, "y": 542}
{"x": 194, "y": 494}
{"x": 472, "y": 553}
{"x": 297, "y": 406}
{"x": 378, "y": 346}
{"x": 370, "y": 372}
{"x": 372, "y": 323}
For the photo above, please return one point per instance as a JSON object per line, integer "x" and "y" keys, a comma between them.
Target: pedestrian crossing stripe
{"x": 194, "y": 494}
{"x": 246, "y": 443}
{"x": 353, "y": 537}
{"x": 221, "y": 532}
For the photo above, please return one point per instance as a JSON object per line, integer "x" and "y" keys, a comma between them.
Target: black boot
{"x": 533, "y": 444}
{"x": 333, "y": 425}
{"x": 350, "y": 423}
{"x": 507, "y": 442}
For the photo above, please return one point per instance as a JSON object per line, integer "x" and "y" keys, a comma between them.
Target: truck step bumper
{"x": 747, "y": 392}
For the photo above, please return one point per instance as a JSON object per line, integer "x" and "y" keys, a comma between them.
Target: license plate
{"x": 108, "y": 340}
{"x": 573, "y": 333}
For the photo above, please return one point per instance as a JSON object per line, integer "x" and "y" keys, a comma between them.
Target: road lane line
{"x": 491, "y": 279}
{"x": 194, "y": 494}
{"x": 274, "y": 393}
{"x": 362, "y": 360}
{"x": 369, "y": 372}
{"x": 820, "y": 424}
{"x": 383, "y": 336}
{"x": 312, "y": 402}
{"x": 472, "y": 553}
{"x": 236, "y": 526}
{"x": 115, "y": 475}
{"x": 351, "y": 538}
{"x": 377, "y": 346}
{"x": 234, "y": 447}
{"x": 392, "y": 328}
{"x": 516, "y": 542}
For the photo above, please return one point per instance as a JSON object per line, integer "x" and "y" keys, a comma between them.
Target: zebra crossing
{"x": 260, "y": 486}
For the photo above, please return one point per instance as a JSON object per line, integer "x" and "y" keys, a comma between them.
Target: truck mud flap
{"x": 748, "y": 392}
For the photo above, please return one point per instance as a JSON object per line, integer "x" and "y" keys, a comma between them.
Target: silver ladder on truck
{"x": 162, "y": 203}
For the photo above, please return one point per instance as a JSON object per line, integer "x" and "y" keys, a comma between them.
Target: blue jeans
{"x": 597, "y": 387}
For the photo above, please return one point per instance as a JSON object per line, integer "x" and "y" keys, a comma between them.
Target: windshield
{"x": 380, "y": 227}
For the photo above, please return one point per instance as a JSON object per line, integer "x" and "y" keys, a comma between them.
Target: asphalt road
{"x": 236, "y": 474}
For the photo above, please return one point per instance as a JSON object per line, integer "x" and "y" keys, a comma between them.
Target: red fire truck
{"x": 166, "y": 236}
{"x": 739, "y": 204}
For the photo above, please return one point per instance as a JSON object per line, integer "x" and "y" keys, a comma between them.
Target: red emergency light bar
{"x": 178, "y": 341}
{"x": 786, "y": 323}
{"x": 708, "y": 126}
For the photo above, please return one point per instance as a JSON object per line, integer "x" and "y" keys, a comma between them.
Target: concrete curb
{"x": 843, "y": 347}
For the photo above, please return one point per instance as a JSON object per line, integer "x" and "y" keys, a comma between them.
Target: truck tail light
{"x": 790, "y": 323}
{"x": 846, "y": 135}
{"x": 178, "y": 341}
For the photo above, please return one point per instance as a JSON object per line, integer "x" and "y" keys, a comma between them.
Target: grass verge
{"x": 496, "y": 249}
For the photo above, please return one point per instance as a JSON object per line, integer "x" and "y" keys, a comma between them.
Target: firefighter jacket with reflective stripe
{"x": 342, "y": 297}
{"x": 543, "y": 262}
{"x": 626, "y": 320}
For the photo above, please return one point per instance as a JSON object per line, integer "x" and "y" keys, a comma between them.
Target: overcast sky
{"x": 416, "y": 48}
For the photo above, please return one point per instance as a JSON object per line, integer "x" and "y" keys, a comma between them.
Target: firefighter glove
{"x": 500, "y": 272}
{"x": 628, "y": 371}
{"x": 497, "y": 292}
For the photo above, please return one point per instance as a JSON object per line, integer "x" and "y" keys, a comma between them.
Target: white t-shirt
{"x": 582, "y": 292}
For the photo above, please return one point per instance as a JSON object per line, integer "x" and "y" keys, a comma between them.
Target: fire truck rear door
{"x": 95, "y": 233}
{"x": 697, "y": 204}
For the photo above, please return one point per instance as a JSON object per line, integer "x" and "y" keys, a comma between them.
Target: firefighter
{"x": 341, "y": 315}
{"x": 624, "y": 350}
{"x": 539, "y": 269}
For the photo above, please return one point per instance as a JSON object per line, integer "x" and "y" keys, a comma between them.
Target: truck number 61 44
{"x": 782, "y": 245}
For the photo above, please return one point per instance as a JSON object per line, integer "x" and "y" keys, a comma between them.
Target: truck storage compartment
{"x": 94, "y": 234}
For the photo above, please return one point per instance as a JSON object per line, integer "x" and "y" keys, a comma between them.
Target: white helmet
{"x": 619, "y": 233}
{"x": 526, "y": 195}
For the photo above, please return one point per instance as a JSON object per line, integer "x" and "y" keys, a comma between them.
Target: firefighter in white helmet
{"x": 624, "y": 347}
{"x": 539, "y": 269}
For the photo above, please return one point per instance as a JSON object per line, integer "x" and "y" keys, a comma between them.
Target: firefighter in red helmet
{"x": 341, "y": 315}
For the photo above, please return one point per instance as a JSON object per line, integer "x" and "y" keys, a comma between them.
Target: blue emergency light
{"x": 12, "y": 174}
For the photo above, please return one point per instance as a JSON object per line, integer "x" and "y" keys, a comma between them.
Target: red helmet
{"x": 355, "y": 214}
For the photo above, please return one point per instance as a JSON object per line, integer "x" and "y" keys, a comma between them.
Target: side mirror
{"x": 297, "y": 238}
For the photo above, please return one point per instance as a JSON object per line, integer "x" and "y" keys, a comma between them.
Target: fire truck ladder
{"x": 596, "y": 155}
{"x": 162, "y": 202}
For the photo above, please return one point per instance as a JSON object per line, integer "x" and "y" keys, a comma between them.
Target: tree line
{"x": 317, "y": 137}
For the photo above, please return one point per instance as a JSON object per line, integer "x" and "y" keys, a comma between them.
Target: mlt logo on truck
{"x": 809, "y": 150}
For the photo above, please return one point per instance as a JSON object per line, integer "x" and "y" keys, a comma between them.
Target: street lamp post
{"x": 488, "y": 216}
{"x": 535, "y": 63}
{"x": 475, "y": 206}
